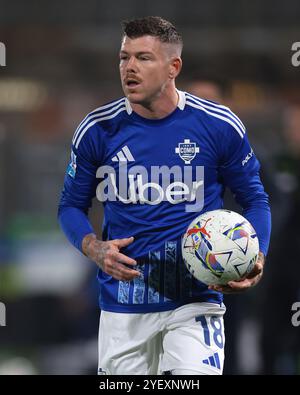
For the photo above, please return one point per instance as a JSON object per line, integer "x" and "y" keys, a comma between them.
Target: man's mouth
{"x": 131, "y": 83}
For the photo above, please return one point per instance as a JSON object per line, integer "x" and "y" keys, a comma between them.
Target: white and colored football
{"x": 220, "y": 246}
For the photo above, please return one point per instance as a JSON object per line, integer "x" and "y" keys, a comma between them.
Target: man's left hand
{"x": 233, "y": 287}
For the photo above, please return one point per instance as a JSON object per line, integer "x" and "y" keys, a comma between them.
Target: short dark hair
{"x": 153, "y": 26}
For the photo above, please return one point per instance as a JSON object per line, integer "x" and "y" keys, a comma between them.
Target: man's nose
{"x": 131, "y": 64}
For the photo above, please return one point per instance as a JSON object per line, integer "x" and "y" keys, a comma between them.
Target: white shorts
{"x": 190, "y": 338}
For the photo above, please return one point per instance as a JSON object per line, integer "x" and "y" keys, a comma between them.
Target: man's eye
{"x": 144, "y": 58}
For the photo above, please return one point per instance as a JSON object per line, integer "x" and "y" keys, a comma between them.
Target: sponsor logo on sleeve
{"x": 71, "y": 170}
{"x": 248, "y": 157}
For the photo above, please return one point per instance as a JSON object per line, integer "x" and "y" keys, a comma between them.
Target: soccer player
{"x": 157, "y": 158}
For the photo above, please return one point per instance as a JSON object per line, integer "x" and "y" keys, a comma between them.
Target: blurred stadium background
{"x": 62, "y": 62}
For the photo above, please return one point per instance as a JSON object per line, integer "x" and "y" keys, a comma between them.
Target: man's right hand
{"x": 108, "y": 257}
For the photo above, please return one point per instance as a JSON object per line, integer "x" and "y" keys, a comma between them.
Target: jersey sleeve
{"x": 80, "y": 184}
{"x": 239, "y": 170}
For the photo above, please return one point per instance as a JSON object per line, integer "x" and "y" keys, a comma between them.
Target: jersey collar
{"x": 181, "y": 100}
{"x": 180, "y": 104}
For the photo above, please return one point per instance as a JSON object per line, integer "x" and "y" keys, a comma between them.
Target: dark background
{"x": 61, "y": 63}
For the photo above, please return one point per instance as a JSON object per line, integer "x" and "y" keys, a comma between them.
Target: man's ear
{"x": 175, "y": 67}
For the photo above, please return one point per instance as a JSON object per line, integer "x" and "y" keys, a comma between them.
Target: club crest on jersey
{"x": 187, "y": 151}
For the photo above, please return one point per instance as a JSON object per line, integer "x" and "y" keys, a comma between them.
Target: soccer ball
{"x": 220, "y": 246}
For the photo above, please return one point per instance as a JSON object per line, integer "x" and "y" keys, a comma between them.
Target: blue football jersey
{"x": 154, "y": 176}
